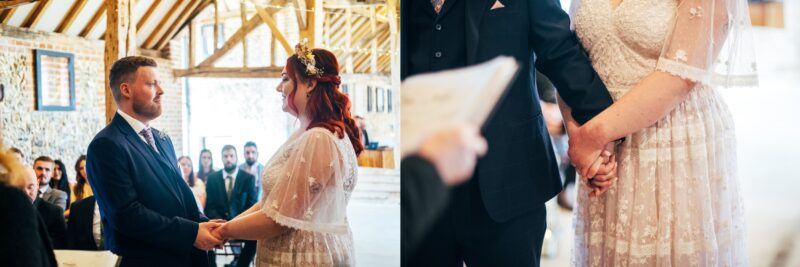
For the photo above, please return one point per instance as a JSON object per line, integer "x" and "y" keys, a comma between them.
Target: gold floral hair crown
{"x": 307, "y": 58}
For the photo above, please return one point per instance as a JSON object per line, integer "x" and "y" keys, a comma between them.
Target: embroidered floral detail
{"x": 274, "y": 204}
{"x": 695, "y": 12}
{"x": 294, "y": 197}
{"x": 313, "y": 186}
{"x": 681, "y": 55}
{"x": 289, "y": 174}
{"x": 302, "y": 159}
{"x": 308, "y": 214}
{"x": 348, "y": 184}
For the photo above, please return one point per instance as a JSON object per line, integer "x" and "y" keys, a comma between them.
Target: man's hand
{"x": 205, "y": 240}
{"x": 454, "y": 152}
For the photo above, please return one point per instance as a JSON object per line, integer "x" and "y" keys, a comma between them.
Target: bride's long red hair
{"x": 327, "y": 107}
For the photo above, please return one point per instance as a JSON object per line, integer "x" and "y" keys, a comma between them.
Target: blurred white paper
{"x": 439, "y": 100}
{"x": 78, "y": 258}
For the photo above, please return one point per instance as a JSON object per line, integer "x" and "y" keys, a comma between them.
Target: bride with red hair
{"x": 301, "y": 221}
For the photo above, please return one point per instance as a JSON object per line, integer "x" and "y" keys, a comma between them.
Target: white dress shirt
{"x": 137, "y": 125}
{"x": 96, "y": 224}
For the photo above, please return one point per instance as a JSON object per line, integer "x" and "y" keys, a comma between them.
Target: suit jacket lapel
{"x": 164, "y": 156}
{"x": 146, "y": 152}
{"x": 475, "y": 10}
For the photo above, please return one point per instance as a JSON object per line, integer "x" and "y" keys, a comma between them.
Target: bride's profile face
{"x": 286, "y": 86}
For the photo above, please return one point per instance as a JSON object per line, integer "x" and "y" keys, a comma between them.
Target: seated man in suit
{"x": 44, "y": 172}
{"x": 51, "y": 215}
{"x": 85, "y": 228}
{"x": 229, "y": 192}
{"x": 25, "y": 240}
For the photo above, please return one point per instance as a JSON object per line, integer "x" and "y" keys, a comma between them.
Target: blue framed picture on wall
{"x": 55, "y": 81}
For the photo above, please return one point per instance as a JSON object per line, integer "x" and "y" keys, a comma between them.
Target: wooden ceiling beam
{"x": 6, "y": 14}
{"x": 178, "y": 23}
{"x": 93, "y": 21}
{"x": 253, "y": 72}
{"x": 147, "y": 15}
{"x": 239, "y": 34}
{"x": 273, "y": 26}
{"x": 158, "y": 31}
{"x": 13, "y": 4}
{"x": 73, "y": 12}
{"x": 36, "y": 14}
{"x": 300, "y": 14}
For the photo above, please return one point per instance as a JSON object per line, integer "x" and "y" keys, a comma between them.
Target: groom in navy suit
{"x": 150, "y": 217}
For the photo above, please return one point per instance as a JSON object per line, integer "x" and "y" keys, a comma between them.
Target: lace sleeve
{"x": 711, "y": 43}
{"x": 308, "y": 194}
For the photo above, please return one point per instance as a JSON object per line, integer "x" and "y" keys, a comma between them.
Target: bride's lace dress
{"x": 677, "y": 201}
{"x": 307, "y": 185}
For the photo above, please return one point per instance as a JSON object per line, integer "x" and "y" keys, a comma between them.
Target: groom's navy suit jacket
{"x": 519, "y": 172}
{"x": 149, "y": 214}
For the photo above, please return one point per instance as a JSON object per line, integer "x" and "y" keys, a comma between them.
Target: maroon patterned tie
{"x": 148, "y": 135}
{"x": 437, "y": 5}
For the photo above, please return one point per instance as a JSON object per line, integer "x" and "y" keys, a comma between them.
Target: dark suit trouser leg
{"x": 485, "y": 242}
{"x": 248, "y": 253}
{"x": 212, "y": 258}
{"x": 466, "y": 232}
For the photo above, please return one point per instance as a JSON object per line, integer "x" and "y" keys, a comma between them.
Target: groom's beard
{"x": 250, "y": 162}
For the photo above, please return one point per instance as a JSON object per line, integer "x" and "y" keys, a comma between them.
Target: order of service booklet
{"x": 438, "y": 100}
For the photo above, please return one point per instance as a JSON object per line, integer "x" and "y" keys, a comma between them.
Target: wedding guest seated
{"x": 44, "y": 172}
{"x": 198, "y": 186}
{"x": 24, "y": 239}
{"x": 53, "y": 217}
{"x": 206, "y": 165}
{"x": 230, "y": 192}
{"x": 251, "y": 164}
{"x": 85, "y": 229}
{"x": 81, "y": 189}
{"x": 60, "y": 181}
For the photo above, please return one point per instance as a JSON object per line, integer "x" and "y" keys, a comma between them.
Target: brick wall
{"x": 65, "y": 135}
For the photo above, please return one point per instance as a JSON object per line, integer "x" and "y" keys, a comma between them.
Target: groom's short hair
{"x": 123, "y": 70}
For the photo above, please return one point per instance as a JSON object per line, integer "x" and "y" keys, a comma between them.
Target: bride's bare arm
{"x": 252, "y": 209}
{"x": 253, "y": 226}
{"x": 650, "y": 100}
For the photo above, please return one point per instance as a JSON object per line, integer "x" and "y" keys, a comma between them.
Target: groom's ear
{"x": 125, "y": 90}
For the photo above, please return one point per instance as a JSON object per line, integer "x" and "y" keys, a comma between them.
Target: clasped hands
{"x": 594, "y": 160}
{"x": 211, "y": 234}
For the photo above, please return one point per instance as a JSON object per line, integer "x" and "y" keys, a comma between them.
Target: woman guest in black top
{"x": 60, "y": 180}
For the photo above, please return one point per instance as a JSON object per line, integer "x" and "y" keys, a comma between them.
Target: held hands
{"x": 595, "y": 161}
{"x": 206, "y": 238}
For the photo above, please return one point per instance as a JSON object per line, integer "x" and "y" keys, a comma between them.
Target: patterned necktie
{"x": 148, "y": 135}
{"x": 437, "y": 5}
